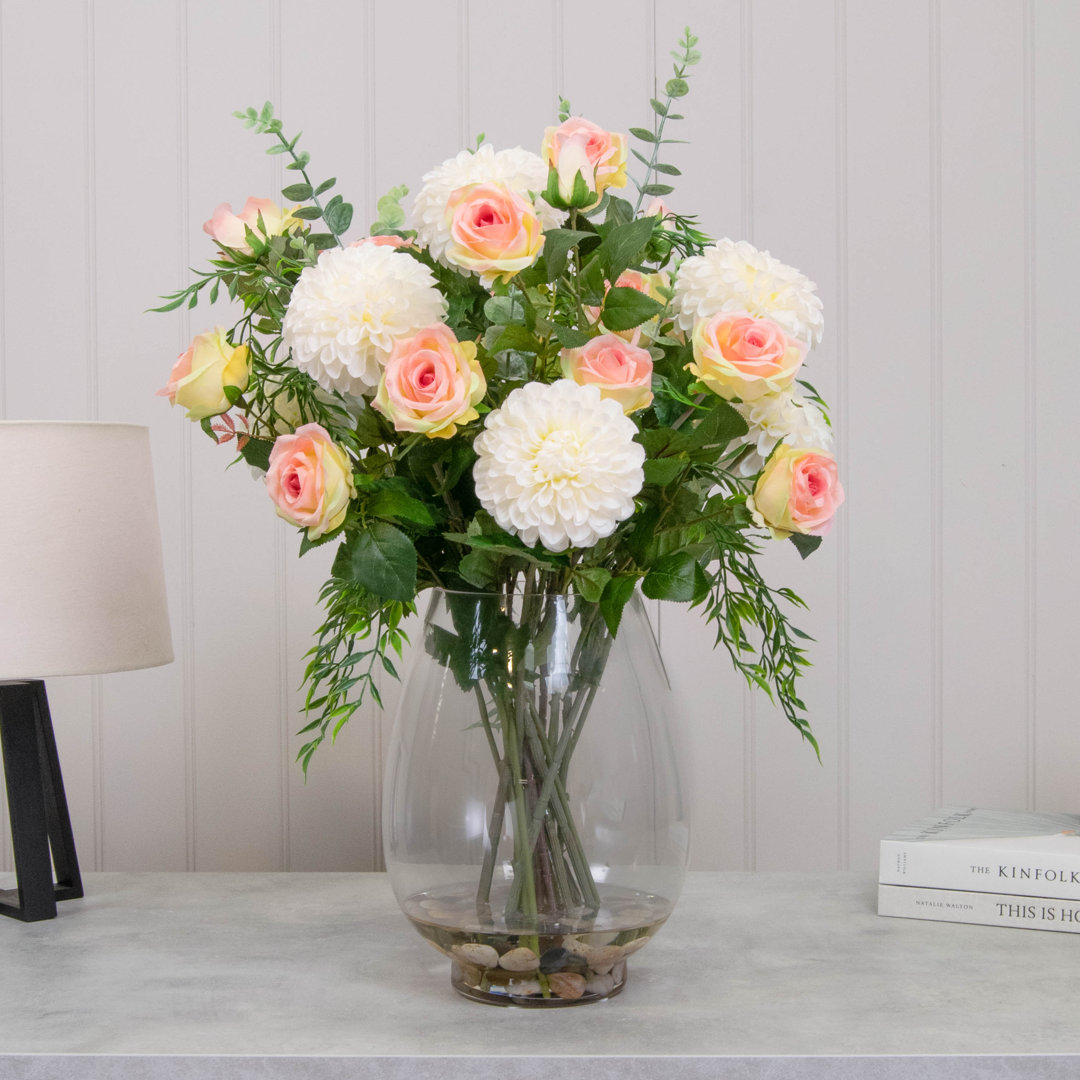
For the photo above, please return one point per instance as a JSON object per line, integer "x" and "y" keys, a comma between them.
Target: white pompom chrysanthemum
{"x": 735, "y": 276}
{"x": 558, "y": 463}
{"x": 518, "y": 169}
{"x": 347, "y": 311}
{"x": 782, "y": 417}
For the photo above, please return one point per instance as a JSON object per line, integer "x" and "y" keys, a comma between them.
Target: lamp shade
{"x": 82, "y": 586}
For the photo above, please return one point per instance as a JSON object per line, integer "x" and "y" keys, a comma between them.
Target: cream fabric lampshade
{"x": 82, "y": 587}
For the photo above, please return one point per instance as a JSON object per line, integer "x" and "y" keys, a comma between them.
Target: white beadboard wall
{"x": 917, "y": 159}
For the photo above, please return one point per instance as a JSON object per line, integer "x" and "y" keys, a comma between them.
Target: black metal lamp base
{"x": 37, "y": 807}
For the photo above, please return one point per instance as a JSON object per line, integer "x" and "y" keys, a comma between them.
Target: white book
{"x": 1013, "y": 852}
{"x": 991, "y": 909}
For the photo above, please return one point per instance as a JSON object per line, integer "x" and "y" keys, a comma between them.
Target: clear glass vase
{"x": 536, "y": 827}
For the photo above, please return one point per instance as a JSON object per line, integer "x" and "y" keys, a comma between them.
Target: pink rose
{"x": 494, "y": 231}
{"x": 310, "y": 480}
{"x": 227, "y": 228}
{"x": 736, "y": 355}
{"x": 580, "y": 146}
{"x": 620, "y": 370}
{"x": 798, "y": 491}
{"x": 198, "y": 379}
{"x": 431, "y": 383}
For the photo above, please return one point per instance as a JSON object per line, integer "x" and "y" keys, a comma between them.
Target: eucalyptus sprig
{"x": 336, "y": 214}
{"x": 676, "y": 87}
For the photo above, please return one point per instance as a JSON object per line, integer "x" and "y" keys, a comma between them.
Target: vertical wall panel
{"x": 142, "y": 725}
{"x": 47, "y": 295}
{"x": 794, "y": 217}
{"x": 889, "y": 466}
{"x": 1054, "y": 29}
{"x": 332, "y": 817}
{"x": 711, "y": 694}
{"x": 983, "y": 596}
{"x": 237, "y": 761}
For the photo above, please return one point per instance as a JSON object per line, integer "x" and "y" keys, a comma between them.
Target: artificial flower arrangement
{"x": 529, "y": 381}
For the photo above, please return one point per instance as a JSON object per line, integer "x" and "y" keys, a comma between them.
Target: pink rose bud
{"x": 738, "y": 356}
{"x": 310, "y": 480}
{"x": 798, "y": 491}
{"x": 431, "y": 383}
{"x": 198, "y": 379}
{"x": 227, "y": 228}
{"x": 658, "y": 208}
{"x": 494, "y": 231}
{"x": 618, "y": 369}
{"x": 580, "y": 146}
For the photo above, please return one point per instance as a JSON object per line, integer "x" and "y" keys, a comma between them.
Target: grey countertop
{"x": 755, "y": 977}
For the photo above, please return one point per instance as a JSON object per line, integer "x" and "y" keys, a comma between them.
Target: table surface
{"x": 762, "y": 976}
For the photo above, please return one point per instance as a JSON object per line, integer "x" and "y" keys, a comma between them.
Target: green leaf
{"x": 504, "y": 310}
{"x": 676, "y": 88}
{"x": 391, "y": 503}
{"x": 480, "y": 567}
{"x": 303, "y": 159}
{"x": 626, "y": 308}
{"x": 338, "y": 215}
{"x": 381, "y": 559}
{"x": 558, "y": 243}
{"x": 667, "y": 170}
{"x": 389, "y": 207}
{"x": 320, "y": 241}
{"x": 658, "y": 107}
{"x": 616, "y": 594}
{"x": 643, "y": 135}
{"x": 805, "y": 545}
{"x": 515, "y": 337}
{"x": 257, "y": 452}
{"x": 326, "y": 185}
{"x": 662, "y": 471}
{"x": 677, "y": 576}
{"x": 619, "y": 211}
{"x": 232, "y": 393}
{"x": 590, "y": 582}
{"x": 308, "y": 213}
{"x": 623, "y": 246}
{"x": 657, "y": 189}
{"x": 717, "y": 427}
{"x": 297, "y": 192}
{"x": 569, "y": 338}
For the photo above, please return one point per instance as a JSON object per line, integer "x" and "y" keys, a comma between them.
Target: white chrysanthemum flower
{"x": 735, "y": 276}
{"x": 558, "y": 463}
{"x": 347, "y": 311}
{"x": 782, "y": 417}
{"x": 518, "y": 169}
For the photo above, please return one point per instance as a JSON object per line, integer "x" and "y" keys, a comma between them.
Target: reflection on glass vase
{"x": 536, "y": 827}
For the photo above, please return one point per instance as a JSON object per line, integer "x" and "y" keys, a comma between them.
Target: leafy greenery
{"x": 416, "y": 522}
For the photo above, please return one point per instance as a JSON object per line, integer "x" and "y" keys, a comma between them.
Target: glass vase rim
{"x": 518, "y": 592}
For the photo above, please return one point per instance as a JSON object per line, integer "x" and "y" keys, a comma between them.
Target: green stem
{"x": 307, "y": 180}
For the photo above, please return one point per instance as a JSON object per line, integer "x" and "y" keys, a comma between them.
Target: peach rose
{"x": 650, "y": 285}
{"x": 227, "y": 228}
{"x": 736, "y": 355}
{"x": 618, "y": 369}
{"x": 798, "y": 491}
{"x": 580, "y": 146}
{"x": 431, "y": 383}
{"x": 310, "y": 480}
{"x": 494, "y": 231}
{"x": 198, "y": 379}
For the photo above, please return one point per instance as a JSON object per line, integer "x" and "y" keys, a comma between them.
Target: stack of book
{"x": 999, "y": 867}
